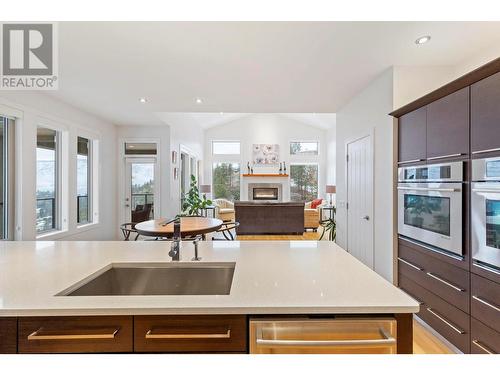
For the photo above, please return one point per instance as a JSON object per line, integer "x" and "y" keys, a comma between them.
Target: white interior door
{"x": 360, "y": 199}
{"x": 140, "y": 193}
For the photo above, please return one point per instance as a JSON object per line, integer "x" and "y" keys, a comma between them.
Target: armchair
{"x": 224, "y": 209}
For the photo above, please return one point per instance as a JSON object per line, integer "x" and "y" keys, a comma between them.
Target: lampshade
{"x": 331, "y": 189}
{"x": 205, "y": 188}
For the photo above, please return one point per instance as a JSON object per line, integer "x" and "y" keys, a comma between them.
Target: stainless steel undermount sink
{"x": 127, "y": 279}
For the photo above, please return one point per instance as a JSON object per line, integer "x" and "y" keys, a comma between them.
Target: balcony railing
{"x": 45, "y": 214}
{"x": 82, "y": 209}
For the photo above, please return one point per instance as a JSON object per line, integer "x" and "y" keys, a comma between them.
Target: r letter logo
{"x": 29, "y": 59}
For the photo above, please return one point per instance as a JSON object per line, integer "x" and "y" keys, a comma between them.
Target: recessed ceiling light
{"x": 198, "y": 100}
{"x": 423, "y": 39}
{"x": 143, "y": 100}
{"x": 221, "y": 113}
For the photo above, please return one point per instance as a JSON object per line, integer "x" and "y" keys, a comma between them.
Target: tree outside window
{"x": 303, "y": 182}
{"x": 226, "y": 181}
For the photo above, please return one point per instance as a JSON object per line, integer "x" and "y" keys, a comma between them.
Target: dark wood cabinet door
{"x": 412, "y": 136}
{"x": 448, "y": 126}
{"x": 485, "y": 114}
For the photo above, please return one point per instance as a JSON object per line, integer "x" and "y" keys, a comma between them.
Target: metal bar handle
{"x": 445, "y": 321}
{"x": 479, "y": 299}
{"x": 37, "y": 335}
{"x": 488, "y": 190}
{"x": 410, "y": 264}
{"x": 151, "y": 335}
{"x": 410, "y": 161}
{"x": 445, "y": 190}
{"x": 276, "y": 342}
{"x": 458, "y": 289}
{"x": 485, "y": 151}
{"x": 445, "y": 156}
{"x": 483, "y": 347}
{"x": 484, "y": 267}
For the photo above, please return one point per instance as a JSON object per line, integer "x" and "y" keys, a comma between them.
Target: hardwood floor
{"x": 425, "y": 342}
{"x": 306, "y": 236}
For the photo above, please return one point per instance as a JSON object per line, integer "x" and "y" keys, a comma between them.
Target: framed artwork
{"x": 174, "y": 157}
{"x": 266, "y": 154}
{"x": 175, "y": 173}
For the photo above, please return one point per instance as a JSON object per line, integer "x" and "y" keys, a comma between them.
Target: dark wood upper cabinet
{"x": 448, "y": 125}
{"x": 412, "y": 136}
{"x": 485, "y": 114}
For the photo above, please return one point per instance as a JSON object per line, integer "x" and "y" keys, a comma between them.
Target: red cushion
{"x": 315, "y": 203}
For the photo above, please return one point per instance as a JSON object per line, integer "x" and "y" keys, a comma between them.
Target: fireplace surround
{"x": 265, "y": 192}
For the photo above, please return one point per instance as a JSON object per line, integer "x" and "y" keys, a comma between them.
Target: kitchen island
{"x": 278, "y": 280}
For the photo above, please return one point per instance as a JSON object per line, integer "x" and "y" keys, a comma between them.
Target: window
{"x": 225, "y": 148}
{"x": 6, "y": 127}
{"x": 226, "y": 181}
{"x": 46, "y": 179}
{"x": 303, "y": 182}
{"x": 304, "y": 148}
{"x": 83, "y": 181}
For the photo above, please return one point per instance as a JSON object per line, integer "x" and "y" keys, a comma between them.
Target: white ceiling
{"x": 209, "y": 120}
{"x": 243, "y": 67}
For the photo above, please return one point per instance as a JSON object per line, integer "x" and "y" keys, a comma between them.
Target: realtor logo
{"x": 29, "y": 59}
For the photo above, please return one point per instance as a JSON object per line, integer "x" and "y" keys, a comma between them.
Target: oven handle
{"x": 486, "y": 190}
{"x": 446, "y": 190}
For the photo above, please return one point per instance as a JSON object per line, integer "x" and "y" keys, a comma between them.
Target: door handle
{"x": 127, "y": 205}
{"x": 366, "y": 217}
{"x": 173, "y": 336}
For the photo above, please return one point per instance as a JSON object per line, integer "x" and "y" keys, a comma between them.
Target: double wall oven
{"x": 485, "y": 213}
{"x": 430, "y": 205}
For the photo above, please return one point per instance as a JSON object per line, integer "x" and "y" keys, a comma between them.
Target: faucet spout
{"x": 174, "y": 252}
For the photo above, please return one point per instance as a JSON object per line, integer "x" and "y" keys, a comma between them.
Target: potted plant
{"x": 192, "y": 203}
{"x": 329, "y": 226}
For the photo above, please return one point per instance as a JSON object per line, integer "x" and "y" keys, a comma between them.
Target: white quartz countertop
{"x": 270, "y": 277}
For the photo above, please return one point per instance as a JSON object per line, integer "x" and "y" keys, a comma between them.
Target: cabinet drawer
{"x": 190, "y": 333}
{"x": 89, "y": 334}
{"x": 484, "y": 340}
{"x": 485, "y": 301}
{"x": 8, "y": 335}
{"x": 449, "y": 282}
{"x": 450, "y": 322}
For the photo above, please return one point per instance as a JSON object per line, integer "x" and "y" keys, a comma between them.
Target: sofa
{"x": 224, "y": 209}
{"x": 270, "y": 218}
{"x": 311, "y": 215}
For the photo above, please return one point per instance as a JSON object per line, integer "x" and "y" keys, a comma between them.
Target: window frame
{"x": 212, "y": 176}
{"x": 317, "y": 164}
{"x": 62, "y": 181}
{"x": 224, "y": 141}
{"x": 8, "y": 221}
{"x": 304, "y": 155}
{"x": 90, "y": 182}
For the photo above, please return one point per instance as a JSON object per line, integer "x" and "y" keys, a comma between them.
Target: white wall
{"x": 367, "y": 112}
{"x": 35, "y": 108}
{"x": 412, "y": 82}
{"x": 271, "y": 129}
{"x": 331, "y": 150}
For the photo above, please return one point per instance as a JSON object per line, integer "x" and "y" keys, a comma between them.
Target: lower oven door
{"x": 431, "y": 213}
{"x": 485, "y": 223}
{"x": 323, "y": 336}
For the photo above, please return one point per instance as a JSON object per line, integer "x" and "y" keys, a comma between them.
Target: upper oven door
{"x": 485, "y": 223}
{"x": 431, "y": 213}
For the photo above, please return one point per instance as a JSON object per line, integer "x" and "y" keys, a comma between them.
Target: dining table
{"x": 190, "y": 226}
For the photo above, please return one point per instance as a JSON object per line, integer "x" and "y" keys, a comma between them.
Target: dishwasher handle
{"x": 388, "y": 339}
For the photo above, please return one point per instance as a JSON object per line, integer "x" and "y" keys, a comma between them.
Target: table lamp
{"x": 331, "y": 189}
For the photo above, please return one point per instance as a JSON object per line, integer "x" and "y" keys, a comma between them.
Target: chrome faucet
{"x": 175, "y": 249}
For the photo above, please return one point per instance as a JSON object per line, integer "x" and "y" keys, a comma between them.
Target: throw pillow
{"x": 315, "y": 203}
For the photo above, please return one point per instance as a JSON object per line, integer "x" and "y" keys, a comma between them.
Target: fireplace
{"x": 265, "y": 192}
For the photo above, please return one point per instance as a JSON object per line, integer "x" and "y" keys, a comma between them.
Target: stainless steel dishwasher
{"x": 323, "y": 336}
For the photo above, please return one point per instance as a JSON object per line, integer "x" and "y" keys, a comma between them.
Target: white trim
{"x": 11, "y": 112}
{"x": 317, "y": 141}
